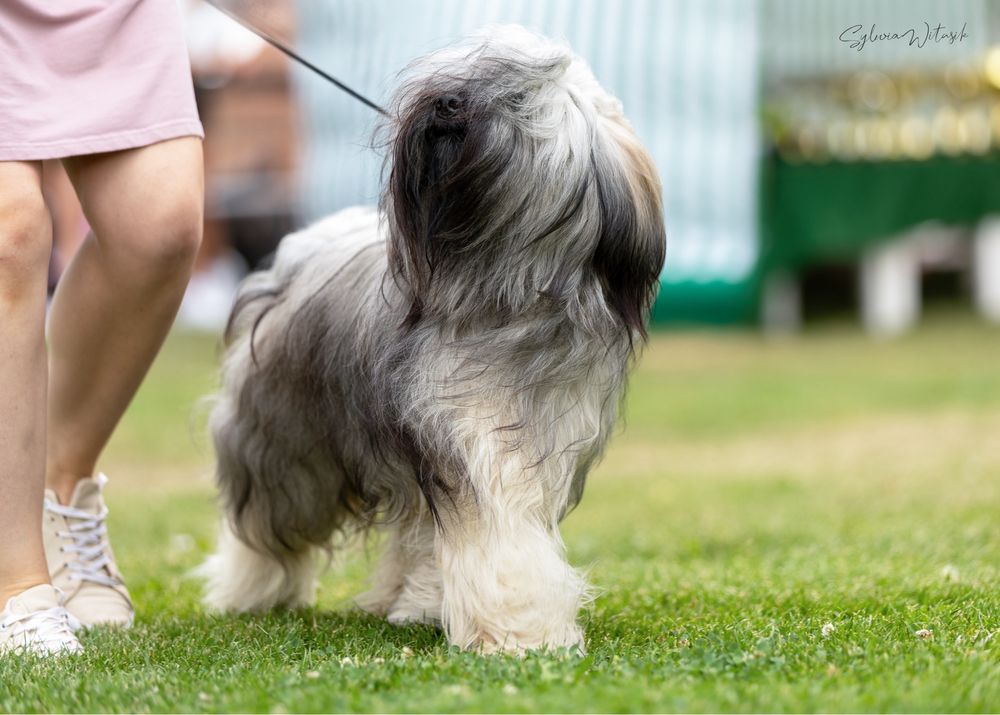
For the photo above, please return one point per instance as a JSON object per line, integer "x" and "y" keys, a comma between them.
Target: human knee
{"x": 176, "y": 234}
{"x": 25, "y": 243}
{"x": 171, "y": 234}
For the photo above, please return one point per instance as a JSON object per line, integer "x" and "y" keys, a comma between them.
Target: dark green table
{"x": 816, "y": 213}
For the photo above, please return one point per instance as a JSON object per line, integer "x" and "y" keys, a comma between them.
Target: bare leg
{"x": 25, "y": 243}
{"x": 118, "y": 297}
{"x": 68, "y": 225}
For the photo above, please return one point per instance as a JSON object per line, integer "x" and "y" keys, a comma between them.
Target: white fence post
{"x": 986, "y": 269}
{"x": 890, "y": 288}
{"x": 781, "y": 303}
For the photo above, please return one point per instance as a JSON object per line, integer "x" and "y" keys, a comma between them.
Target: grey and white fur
{"x": 447, "y": 367}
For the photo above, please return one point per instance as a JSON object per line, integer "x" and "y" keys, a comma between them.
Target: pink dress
{"x": 88, "y": 76}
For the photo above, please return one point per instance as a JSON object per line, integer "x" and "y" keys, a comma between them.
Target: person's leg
{"x": 117, "y": 299}
{"x": 25, "y": 243}
{"x": 68, "y": 225}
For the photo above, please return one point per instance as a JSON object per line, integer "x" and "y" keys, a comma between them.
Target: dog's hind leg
{"x": 419, "y": 599}
{"x": 281, "y": 501}
{"x": 407, "y": 582}
{"x": 241, "y": 578}
{"x": 387, "y": 581}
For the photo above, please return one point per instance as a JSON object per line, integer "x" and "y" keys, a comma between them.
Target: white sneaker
{"x": 36, "y": 622}
{"x": 80, "y": 559}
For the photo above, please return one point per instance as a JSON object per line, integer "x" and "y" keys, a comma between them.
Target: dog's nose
{"x": 448, "y": 105}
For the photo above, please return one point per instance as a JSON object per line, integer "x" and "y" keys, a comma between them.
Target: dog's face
{"x": 514, "y": 178}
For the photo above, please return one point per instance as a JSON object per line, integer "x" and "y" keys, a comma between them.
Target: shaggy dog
{"x": 449, "y": 366}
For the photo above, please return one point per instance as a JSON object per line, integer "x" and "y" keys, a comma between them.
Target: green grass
{"x": 759, "y": 490}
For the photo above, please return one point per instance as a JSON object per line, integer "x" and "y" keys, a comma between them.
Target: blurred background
{"x": 812, "y": 167}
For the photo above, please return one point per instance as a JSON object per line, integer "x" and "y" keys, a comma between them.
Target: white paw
{"x": 402, "y": 616}
{"x": 377, "y": 601}
{"x": 569, "y": 637}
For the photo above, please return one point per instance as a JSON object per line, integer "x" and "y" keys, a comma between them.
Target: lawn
{"x": 808, "y": 524}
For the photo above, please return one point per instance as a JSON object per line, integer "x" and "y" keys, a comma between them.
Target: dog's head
{"x": 514, "y": 178}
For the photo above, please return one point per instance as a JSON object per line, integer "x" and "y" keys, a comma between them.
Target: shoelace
{"x": 89, "y": 555}
{"x": 51, "y": 627}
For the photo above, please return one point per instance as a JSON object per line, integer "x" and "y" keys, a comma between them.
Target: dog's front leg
{"x": 506, "y": 584}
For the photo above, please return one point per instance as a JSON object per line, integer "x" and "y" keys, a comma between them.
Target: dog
{"x": 447, "y": 367}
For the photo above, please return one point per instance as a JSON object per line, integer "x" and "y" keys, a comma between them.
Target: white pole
{"x": 890, "y": 288}
{"x": 986, "y": 269}
{"x": 781, "y": 303}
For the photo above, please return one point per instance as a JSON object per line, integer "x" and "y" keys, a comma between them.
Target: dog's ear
{"x": 631, "y": 243}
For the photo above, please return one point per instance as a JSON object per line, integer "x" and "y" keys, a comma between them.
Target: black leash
{"x": 298, "y": 58}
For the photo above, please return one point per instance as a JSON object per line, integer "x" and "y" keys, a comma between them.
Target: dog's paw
{"x": 568, "y": 639}
{"x": 404, "y": 616}
{"x": 242, "y": 579}
{"x": 378, "y": 600}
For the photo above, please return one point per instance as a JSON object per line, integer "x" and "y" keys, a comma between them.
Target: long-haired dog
{"x": 449, "y": 366}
